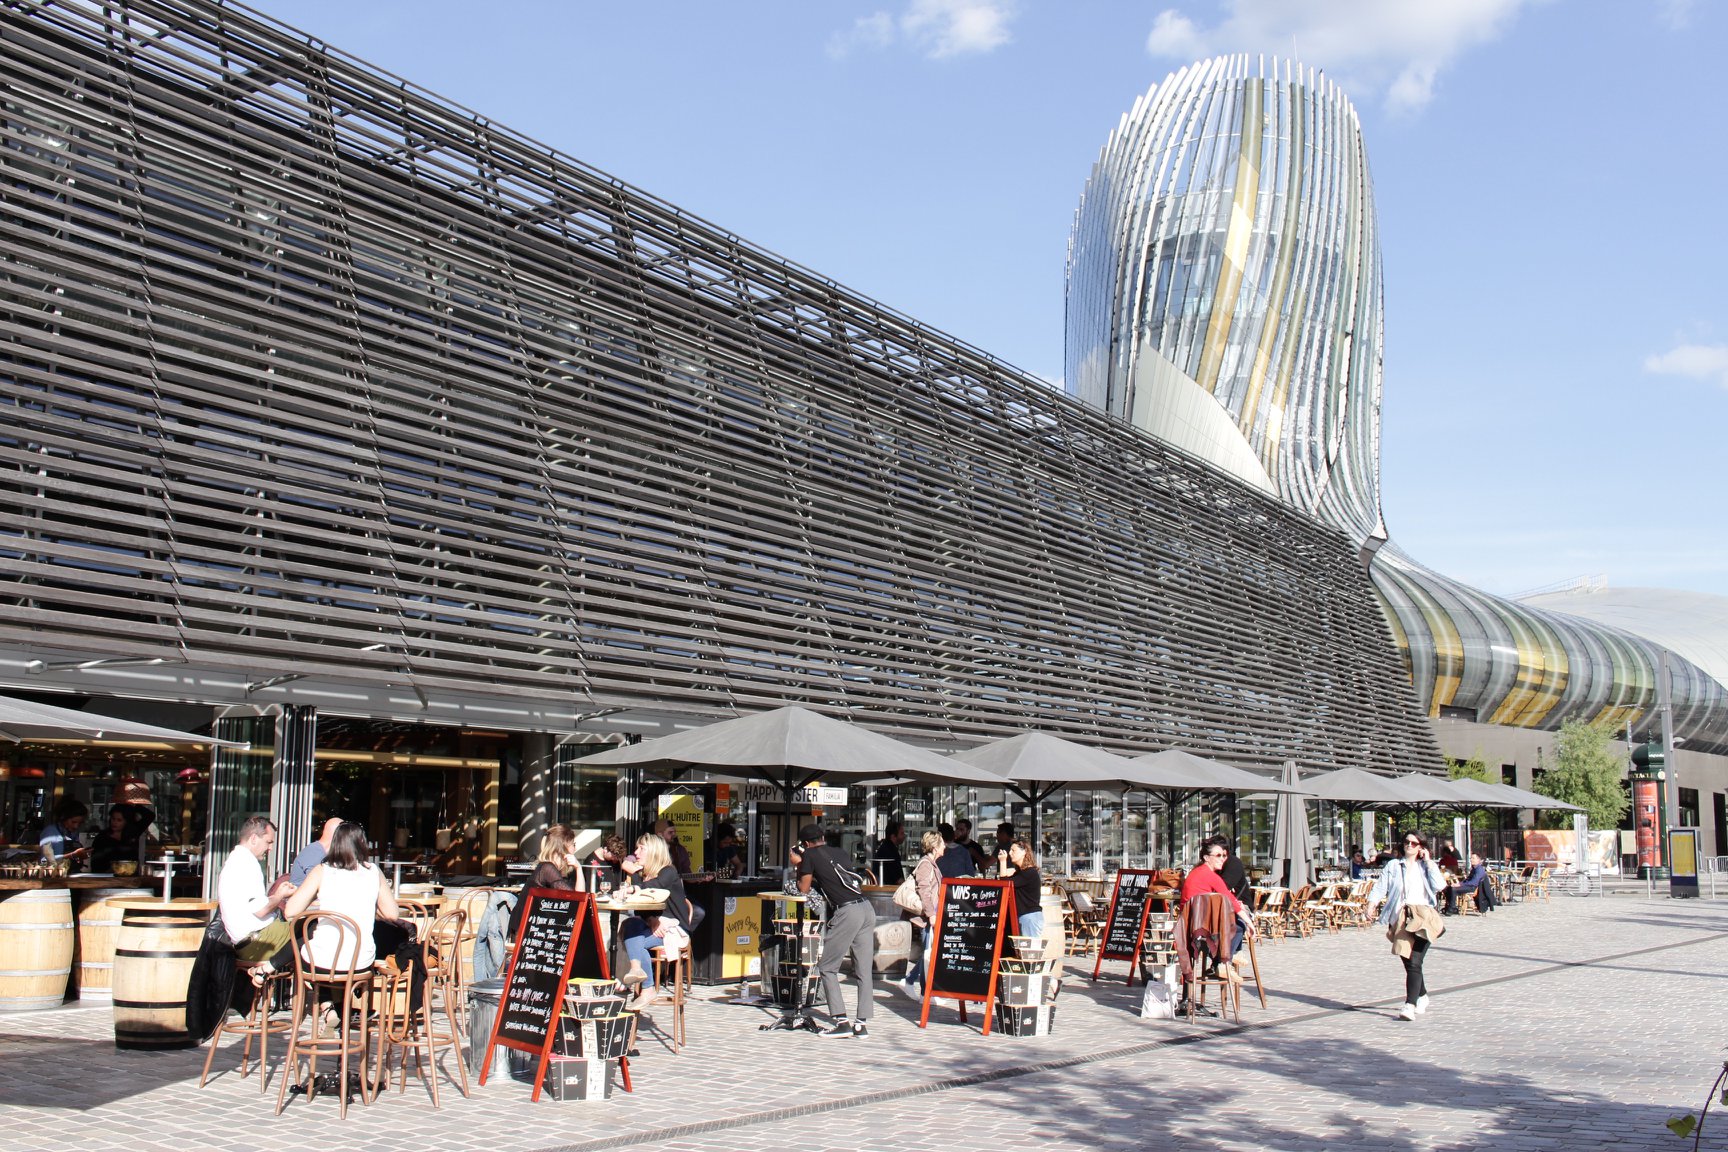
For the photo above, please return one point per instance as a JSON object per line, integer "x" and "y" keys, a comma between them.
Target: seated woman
{"x": 345, "y": 883}
{"x": 557, "y": 868}
{"x": 648, "y": 932}
{"x": 1206, "y": 877}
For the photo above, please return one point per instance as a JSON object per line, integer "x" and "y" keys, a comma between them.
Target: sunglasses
{"x": 1412, "y": 843}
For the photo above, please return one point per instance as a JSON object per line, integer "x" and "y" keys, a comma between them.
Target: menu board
{"x": 1125, "y": 928}
{"x": 558, "y": 927}
{"x": 971, "y": 922}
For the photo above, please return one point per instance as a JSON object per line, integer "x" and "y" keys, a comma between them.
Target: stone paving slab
{"x": 1579, "y": 1022}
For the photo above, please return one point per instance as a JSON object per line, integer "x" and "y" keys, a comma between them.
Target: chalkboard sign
{"x": 972, "y": 918}
{"x": 560, "y": 937}
{"x": 1125, "y": 928}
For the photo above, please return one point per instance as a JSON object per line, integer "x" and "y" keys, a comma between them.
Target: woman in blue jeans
{"x": 648, "y": 932}
{"x": 1017, "y": 863}
{"x": 927, "y": 877}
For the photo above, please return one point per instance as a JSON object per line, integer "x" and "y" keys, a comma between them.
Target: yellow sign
{"x": 684, "y": 809}
{"x": 741, "y": 938}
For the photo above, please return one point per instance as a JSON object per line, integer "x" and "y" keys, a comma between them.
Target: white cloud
{"x": 1675, "y": 14}
{"x": 1394, "y": 48}
{"x": 1707, "y": 362}
{"x": 936, "y": 29}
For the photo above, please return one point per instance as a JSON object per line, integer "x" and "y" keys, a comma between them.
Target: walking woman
{"x": 1411, "y": 888}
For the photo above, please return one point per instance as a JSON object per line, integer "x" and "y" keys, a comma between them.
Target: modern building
{"x": 1225, "y": 296}
{"x": 421, "y": 457}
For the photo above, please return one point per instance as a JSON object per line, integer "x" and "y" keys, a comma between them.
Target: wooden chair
{"x": 257, "y": 1022}
{"x": 1297, "y": 917}
{"x": 1199, "y": 969}
{"x": 1269, "y": 915}
{"x": 1538, "y": 884}
{"x": 1087, "y": 925}
{"x": 435, "y": 1024}
{"x": 671, "y": 978}
{"x": 1353, "y": 905}
{"x": 350, "y": 988}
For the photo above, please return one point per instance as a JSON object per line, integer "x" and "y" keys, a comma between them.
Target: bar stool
{"x": 419, "y": 1030}
{"x": 679, "y": 963}
{"x": 350, "y": 987}
{"x": 256, "y": 1022}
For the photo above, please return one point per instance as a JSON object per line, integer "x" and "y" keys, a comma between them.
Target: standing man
{"x": 313, "y": 854}
{"x": 664, "y": 829}
{"x": 851, "y": 928}
{"x": 251, "y": 915}
{"x": 955, "y": 861}
{"x": 889, "y": 868}
{"x": 963, "y": 837}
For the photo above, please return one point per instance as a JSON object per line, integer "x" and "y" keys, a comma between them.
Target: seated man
{"x": 250, "y": 915}
{"x": 1477, "y": 882}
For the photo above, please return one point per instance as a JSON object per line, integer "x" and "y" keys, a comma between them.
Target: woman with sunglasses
{"x": 1410, "y": 888}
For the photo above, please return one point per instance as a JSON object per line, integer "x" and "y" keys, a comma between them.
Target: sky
{"x": 1548, "y": 178}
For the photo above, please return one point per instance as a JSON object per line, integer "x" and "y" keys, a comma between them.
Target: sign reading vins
{"x": 971, "y": 923}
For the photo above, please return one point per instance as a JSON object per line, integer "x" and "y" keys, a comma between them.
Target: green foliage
{"x": 1474, "y": 768}
{"x": 1683, "y": 1126}
{"x": 1587, "y": 772}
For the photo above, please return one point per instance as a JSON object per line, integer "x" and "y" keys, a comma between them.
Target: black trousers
{"x": 1414, "y": 987}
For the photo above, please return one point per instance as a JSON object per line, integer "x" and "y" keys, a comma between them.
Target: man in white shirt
{"x": 249, "y": 913}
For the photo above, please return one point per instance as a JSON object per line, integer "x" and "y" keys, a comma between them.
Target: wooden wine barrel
{"x": 36, "y": 940}
{"x": 153, "y": 958}
{"x": 98, "y": 929}
{"x": 1050, "y": 903}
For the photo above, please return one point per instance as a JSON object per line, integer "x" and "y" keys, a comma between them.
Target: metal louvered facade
{"x": 314, "y": 383}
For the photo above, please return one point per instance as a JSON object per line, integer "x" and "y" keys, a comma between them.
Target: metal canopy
{"x": 22, "y": 720}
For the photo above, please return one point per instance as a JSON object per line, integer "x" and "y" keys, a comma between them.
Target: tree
{"x": 1475, "y": 768}
{"x": 1587, "y": 772}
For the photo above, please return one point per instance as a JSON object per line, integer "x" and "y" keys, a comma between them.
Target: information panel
{"x": 971, "y": 924}
{"x": 558, "y": 927}
{"x": 1125, "y": 927}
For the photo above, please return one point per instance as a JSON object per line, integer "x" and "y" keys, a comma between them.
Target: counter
{"x": 726, "y": 947}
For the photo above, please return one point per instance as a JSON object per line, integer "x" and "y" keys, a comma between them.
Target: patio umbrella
{"x": 791, "y": 747}
{"x": 1354, "y": 791}
{"x": 22, "y": 720}
{"x": 1511, "y": 797}
{"x": 1035, "y": 764}
{"x": 1292, "y": 844}
{"x": 1175, "y": 774}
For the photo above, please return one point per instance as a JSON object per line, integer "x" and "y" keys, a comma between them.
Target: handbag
{"x": 906, "y": 897}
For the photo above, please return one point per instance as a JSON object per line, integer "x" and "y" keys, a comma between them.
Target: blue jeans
{"x": 920, "y": 946}
{"x": 640, "y": 944}
{"x": 1032, "y": 923}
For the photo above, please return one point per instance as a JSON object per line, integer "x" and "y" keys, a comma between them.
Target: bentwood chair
{"x": 349, "y": 987}
{"x": 257, "y": 1022}
{"x": 422, "y": 1030}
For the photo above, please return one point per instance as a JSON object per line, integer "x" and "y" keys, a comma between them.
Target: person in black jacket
{"x": 851, "y": 927}
{"x": 1477, "y": 882}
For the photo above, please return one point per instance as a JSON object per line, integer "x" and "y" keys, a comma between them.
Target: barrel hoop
{"x": 141, "y": 955}
{"x": 35, "y": 927}
{"x": 28, "y": 972}
{"x": 152, "y": 1005}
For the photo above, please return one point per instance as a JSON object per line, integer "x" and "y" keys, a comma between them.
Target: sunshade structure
{"x": 1175, "y": 774}
{"x": 791, "y": 747}
{"x": 1506, "y": 796}
{"x": 1292, "y": 843}
{"x": 1035, "y": 764}
{"x": 1354, "y": 790}
{"x": 22, "y": 720}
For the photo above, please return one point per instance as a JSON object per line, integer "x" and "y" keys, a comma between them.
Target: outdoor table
{"x": 615, "y": 909}
{"x": 796, "y": 1016}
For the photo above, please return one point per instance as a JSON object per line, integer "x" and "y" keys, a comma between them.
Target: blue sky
{"x": 1549, "y": 176}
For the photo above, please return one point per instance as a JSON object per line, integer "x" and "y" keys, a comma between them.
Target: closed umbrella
{"x": 1292, "y": 843}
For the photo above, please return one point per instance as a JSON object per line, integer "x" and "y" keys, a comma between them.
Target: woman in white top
{"x": 346, "y": 884}
{"x": 1411, "y": 887}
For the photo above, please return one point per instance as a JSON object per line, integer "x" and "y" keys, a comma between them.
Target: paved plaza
{"x": 1572, "y": 1024}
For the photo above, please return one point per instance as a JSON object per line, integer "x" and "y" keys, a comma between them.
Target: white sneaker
{"x": 1408, "y": 1012}
{"x": 1421, "y": 1004}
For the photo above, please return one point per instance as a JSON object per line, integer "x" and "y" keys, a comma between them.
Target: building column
{"x": 539, "y": 771}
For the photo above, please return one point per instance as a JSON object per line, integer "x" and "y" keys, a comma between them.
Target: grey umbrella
{"x": 1175, "y": 773}
{"x": 22, "y": 720}
{"x": 1035, "y": 764}
{"x": 1509, "y": 797}
{"x": 791, "y": 747}
{"x": 1292, "y": 843}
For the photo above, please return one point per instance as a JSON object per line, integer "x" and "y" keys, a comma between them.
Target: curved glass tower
{"x": 1224, "y": 295}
